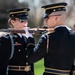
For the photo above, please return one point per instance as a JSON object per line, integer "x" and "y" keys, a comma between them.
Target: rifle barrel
{"x": 31, "y": 30}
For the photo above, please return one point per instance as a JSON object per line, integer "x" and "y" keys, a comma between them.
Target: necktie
{"x": 23, "y": 37}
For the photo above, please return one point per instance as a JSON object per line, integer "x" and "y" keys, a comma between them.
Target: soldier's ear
{"x": 12, "y": 22}
{"x": 56, "y": 18}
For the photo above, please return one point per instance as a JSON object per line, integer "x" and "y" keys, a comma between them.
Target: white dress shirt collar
{"x": 63, "y": 26}
{"x": 20, "y": 35}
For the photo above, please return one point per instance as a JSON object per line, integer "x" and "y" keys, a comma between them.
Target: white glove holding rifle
{"x": 27, "y": 34}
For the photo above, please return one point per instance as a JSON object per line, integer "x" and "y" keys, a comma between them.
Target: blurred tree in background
{"x": 36, "y": 13}
{"x": 5, "y": 5}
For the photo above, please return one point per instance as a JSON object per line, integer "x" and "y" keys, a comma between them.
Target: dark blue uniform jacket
{"x": 60, "y": 53}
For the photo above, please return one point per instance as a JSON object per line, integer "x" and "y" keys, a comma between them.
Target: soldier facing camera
{"x": 14, "y": 47}
{"x": 18, "y": 64}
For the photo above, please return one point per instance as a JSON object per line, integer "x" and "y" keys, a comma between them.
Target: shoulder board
{"x": 72, "y": 31}
{"x": 3, "y": 34}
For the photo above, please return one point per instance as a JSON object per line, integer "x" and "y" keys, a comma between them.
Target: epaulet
{"x": 3, "y": 34}
{"x": 72, "y": 31}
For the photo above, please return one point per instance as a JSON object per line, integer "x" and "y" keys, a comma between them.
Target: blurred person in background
{"x": 56, "y": 47}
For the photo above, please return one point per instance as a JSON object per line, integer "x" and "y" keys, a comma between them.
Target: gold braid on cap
{"x": 53, "y": 7}
{"x": 18, "y": 12}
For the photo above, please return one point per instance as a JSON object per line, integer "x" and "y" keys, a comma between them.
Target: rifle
{"x": 34, "y": 31}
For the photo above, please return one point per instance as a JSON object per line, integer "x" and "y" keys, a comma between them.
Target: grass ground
{"x": 39, "y": 67}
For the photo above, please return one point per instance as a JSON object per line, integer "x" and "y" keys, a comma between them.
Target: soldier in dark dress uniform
{"x": 56, "y": 47}
{"x": 14, "y": 47}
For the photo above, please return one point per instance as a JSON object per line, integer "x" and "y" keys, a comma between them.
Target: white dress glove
{"x": 27, "y": 34}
